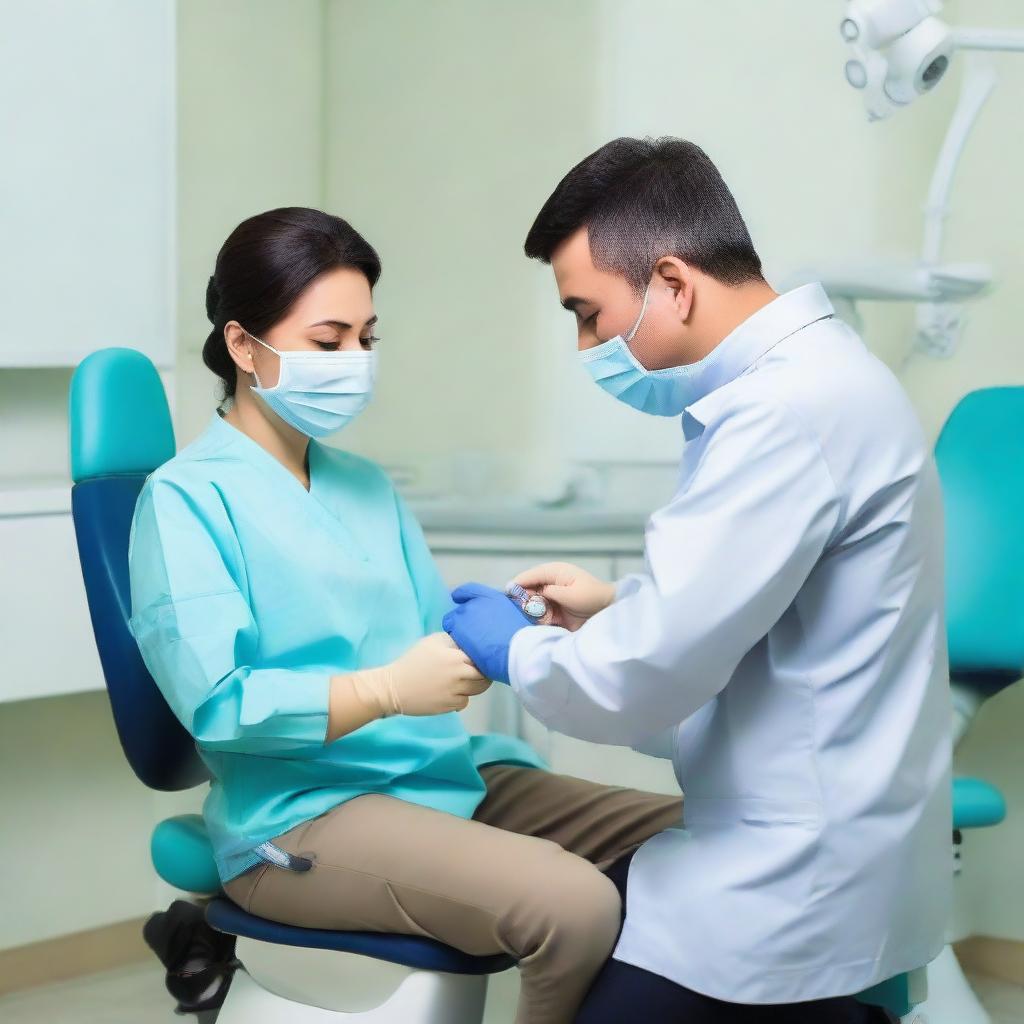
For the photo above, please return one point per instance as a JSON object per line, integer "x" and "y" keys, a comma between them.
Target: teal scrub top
{"x": 248, "y": 593}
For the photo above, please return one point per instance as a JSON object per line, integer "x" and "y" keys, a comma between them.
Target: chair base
{"x": 286, "y": 985}
{"x": 951, "y": 1000}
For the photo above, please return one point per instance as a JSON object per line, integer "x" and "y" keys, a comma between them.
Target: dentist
{"x": 785, "y": 645}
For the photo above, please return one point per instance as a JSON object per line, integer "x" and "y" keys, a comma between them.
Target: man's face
{"x": 605, "y": 304}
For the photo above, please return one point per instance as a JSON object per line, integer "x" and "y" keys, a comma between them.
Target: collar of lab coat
{"x": 739, "y": 350}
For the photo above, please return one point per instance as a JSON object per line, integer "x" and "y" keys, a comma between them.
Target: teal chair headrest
{"x": 119, "y": 420}
{"x": 980, "y": 454}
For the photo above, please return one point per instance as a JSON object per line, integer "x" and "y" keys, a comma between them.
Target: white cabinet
{"x": 87, "y": 123}
{"x": 47, "y": 646}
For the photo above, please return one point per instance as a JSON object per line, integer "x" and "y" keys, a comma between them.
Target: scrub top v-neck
{"x": 248, "y": 593}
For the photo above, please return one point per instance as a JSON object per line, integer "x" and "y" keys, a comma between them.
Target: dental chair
{"x": 980, "y": 454}
{"x": 121, "y": 431}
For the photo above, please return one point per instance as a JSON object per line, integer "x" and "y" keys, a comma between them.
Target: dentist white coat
{"x": 786, "y": 647}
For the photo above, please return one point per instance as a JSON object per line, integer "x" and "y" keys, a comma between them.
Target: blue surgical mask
{"x": 318, "y": 393}
{"x": 659, "y": 392}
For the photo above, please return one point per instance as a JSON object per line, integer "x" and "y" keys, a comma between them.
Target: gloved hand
{"x": 431, "y": 678}
{"x": 483, "y": 624}
{"x": 572, "y": 593}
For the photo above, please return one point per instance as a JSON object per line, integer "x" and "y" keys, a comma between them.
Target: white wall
{"x": 250, "y": 139}
{"x": 75, "y": 822}
{"x": 447, "y": 125}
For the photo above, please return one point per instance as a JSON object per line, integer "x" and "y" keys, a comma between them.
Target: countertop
{"x": 458, "y": 523}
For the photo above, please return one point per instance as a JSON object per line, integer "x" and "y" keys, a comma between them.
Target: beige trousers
{"x": 522, "y": 877}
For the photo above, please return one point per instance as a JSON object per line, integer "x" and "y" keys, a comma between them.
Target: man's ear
{"x": 678, "y": 277}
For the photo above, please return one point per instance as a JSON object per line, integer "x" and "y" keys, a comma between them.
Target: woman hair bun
{"x": 212, "y": 300}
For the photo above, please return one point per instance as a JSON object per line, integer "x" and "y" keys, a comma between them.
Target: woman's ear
{"x": 678, "y": 277}
{"x": 239, "y": 346}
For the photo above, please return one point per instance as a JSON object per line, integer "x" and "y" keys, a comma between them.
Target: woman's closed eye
{"x": 333, "y": 346}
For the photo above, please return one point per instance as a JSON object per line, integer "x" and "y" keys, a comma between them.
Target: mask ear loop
{"x": 255, "y": 375}
{"x": 265, "y": 345}
{"x": 643, "y": 309}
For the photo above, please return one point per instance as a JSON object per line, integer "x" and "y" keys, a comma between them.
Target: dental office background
{"x": 149, "y": 130}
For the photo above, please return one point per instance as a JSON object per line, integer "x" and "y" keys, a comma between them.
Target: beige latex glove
{"x": 572, "y": 593}
{"x": 431, "y": 678}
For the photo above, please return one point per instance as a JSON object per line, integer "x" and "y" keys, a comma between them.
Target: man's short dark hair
{"x": 642, "y": 199}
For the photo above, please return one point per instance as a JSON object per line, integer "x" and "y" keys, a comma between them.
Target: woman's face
{"x": 334, "y": 313}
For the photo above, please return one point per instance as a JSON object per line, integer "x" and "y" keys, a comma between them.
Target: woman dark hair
{"x": 286, "y": 603}
{"x": 264, "y": 266}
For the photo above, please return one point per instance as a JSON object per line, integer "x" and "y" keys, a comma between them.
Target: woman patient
{"x": 286, "y": 603}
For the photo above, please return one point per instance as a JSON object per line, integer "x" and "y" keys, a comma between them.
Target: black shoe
{"x": 200, "y": 961}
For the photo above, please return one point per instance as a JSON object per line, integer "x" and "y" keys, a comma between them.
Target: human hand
{"x": 572, "y": 593}
{"x": 483, "y": 624}
{"x": 432, "y": 677}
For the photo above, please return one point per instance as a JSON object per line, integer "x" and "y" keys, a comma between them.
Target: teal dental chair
{"x": 121, "y": 431}
{"x": 980, "y": 454}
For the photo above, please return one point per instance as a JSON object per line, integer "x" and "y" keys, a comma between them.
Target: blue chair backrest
{"x": 121, "y": 431}
{"x": 980, "y": 454}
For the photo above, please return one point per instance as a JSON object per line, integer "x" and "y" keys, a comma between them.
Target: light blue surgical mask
{"x": 318, "y": 393}
{"x": 659, "y": 392}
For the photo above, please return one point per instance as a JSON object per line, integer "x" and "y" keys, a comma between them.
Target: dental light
{"x": 901, "y": 49}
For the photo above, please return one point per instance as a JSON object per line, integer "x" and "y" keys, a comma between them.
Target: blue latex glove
{"x": 483, "y": 623}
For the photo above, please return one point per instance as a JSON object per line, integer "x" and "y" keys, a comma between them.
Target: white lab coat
{"x": 791, "y": 619}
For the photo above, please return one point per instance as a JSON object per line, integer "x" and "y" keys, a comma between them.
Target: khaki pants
{"x": 522, "y": 877}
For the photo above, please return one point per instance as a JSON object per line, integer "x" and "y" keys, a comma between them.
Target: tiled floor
{"x": 1004, "y": 1001}
{"x": 136, "y": 995}
{"x": 130, "y": 995}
